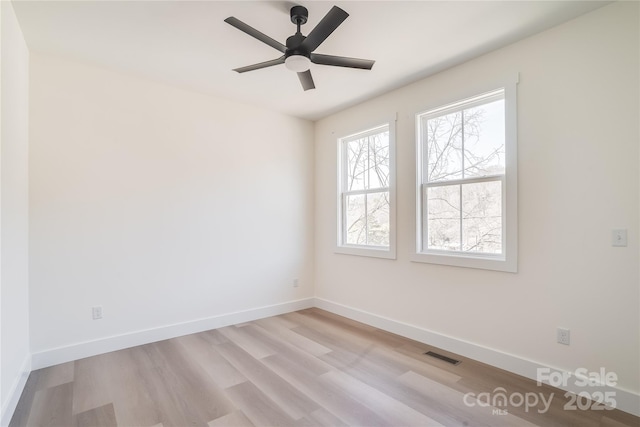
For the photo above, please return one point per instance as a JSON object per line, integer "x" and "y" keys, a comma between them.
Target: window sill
{"x": 506, "y": 264}
{"x": 387, "y": 253}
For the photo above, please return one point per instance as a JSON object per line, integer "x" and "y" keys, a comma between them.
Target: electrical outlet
{"x": 296, "y": 283}
{"x": 619, "y": 238}
{"x": 96, "y": 312}
{"x": 564, "y": 336}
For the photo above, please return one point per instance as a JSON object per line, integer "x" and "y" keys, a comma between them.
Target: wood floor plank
{"x": 234, "y": 419}
{"x": 214, "y": 336}
{"x": 332, "y": 333}
{"x": 392, "y": 411}
{"x": 89, "y": 386}
{"x": 288, "y": 351}
{"x": 38, "y": 380}
{"x": 336, "y": 401}
{"x": 130, "y": 387}
{"x": 390, "y": 357}
{"x": 258, "y": 407}
{"x": 279, "y": 322}
{"x": 356, "y": 328}
{"x": 209, "y": 361}
{"x": 335, "y": 341}
{"x": 254, "y": 348}
{"x": 104, "y": 416}
{"x": 606, "y": 421}
{"x": 285, "y": 334}
{"x": 352, "y": 334}
{"x": 323, "y": 418}
{"x": 328, "y": 318}
{"x": 56, "y": 375}
{"x": 386, "y": 380}
{"x": 456, "y": 401}
{"x": 345, "y": 361}
{"x": 292, "y": 401}
{"x": 260, "y": 337}
{"x": 621, "y": 417}
{"x": 52, "y": 407}
{"x": 418, "y": 363}
{"x": 21, "y": 414}
{"x": 192, "y": 397}
{"x": 304, "y": 422}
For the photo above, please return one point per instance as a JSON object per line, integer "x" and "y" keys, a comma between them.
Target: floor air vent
{"x": 441, "y": 357}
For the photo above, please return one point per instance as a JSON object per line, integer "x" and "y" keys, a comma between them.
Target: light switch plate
{"x": 619, "y": 237}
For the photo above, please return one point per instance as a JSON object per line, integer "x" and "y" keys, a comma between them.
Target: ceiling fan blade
{"x": 325, "y": 27}
{"x": 342, "y": 61}
{"x": 260, "y": 65}
{"x": 255, "y": 33}
{"x": 306, "y": 80}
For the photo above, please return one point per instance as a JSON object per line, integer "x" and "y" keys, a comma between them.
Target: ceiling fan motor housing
{"x": 294, "y": 46}
{"x": 299, "y": 15}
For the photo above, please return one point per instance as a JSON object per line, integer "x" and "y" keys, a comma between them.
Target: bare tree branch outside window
{"x": 464, "y": 165}
{"x": 366, "y": 206}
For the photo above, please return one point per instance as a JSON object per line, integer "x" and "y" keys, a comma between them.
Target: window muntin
{"x": 462, "y": 177}
{"x": 365, "y": 190}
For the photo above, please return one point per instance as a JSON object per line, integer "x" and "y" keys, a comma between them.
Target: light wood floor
{"x": 308, "y": 368}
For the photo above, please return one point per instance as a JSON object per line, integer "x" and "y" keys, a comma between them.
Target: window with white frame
{"x": 467, "y": 181}
{"x": 365, "y": 193}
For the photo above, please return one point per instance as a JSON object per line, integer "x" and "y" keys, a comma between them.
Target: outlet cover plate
{"x": 619, "y": 238}
{"x": 564, "y": 336}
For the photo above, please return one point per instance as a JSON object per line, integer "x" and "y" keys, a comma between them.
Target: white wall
{"x": 14, "y": 211}
{"x": 161, "y": 205}
{"x": 578, "y": 102}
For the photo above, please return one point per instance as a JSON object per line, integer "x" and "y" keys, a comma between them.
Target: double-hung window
{"x": 366, "y": 193}
{"x": 467, "y": 181}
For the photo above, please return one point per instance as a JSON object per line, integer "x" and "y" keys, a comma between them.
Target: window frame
{"x": 366, "y": 250}
{"x": 508, "y": 260}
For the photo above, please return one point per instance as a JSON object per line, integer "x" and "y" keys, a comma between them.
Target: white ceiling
{"x": 187, "y": 43}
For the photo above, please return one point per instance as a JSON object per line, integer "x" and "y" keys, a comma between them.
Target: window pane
{"x": 444, "y": 147}
{"x": 378, "y": 161}
{"x": 443, "y": 217}
{"x": 357, "y": 153}
{"x": 378, "y": 219}
{"x": 482, "y": 217}
{"x": 355, "y": 220}
{"x": 364, "y": 189}
{"x": 484, "y": 138}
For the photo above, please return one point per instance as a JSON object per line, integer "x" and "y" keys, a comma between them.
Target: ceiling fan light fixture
{"x": 297, "y": 63}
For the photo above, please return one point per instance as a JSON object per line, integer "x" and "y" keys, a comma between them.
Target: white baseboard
{"x": 13, "y": 396}
{"x": 626, "y": 401}
{"x": 81, "y": 350}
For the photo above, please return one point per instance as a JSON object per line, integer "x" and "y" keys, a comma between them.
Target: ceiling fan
{"x": 298, "y": 52}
